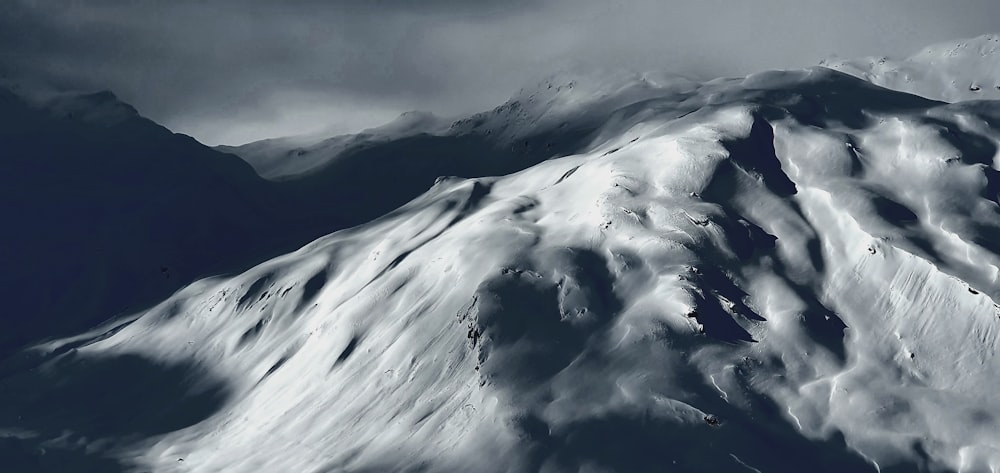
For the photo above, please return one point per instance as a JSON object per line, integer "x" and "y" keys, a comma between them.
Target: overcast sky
{"x": 229, "y": 71}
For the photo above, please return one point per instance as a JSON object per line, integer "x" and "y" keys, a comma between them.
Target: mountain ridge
{"x": 947, "y": 71}
{"x": 791, "y": 270}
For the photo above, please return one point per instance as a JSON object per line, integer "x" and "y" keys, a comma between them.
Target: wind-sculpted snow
{"x": 950, "y": 71}
{"x": 796, "y": 271}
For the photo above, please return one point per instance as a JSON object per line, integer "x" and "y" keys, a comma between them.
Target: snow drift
{"x": 950, "y": 71}
{"x": 789, "y": 271}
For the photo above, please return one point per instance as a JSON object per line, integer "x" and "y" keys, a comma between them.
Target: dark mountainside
{"x": 106, "y": 212}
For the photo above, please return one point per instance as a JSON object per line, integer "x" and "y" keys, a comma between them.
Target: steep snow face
{"x": 799, "y": 274}
{"x": 950, "y": 72}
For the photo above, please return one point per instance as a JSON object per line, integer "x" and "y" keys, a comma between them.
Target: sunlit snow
{"x": 792, "y": 271}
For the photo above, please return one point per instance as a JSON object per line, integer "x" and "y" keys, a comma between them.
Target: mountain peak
{"x": 97, "y": 108}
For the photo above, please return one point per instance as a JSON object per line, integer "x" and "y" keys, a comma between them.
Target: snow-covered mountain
{"x": 951, "y": 71}
{"x": 105, "y": 212}
{"x": 295, "y": 156}
{"x": 795, "y": 270}
{"x": 550, "y": 119}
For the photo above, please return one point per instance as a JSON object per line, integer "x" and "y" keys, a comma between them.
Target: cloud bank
{"x": 231, "y": 71}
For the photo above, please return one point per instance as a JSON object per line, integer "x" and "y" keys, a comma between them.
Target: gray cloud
{"x": 229, "y": 71}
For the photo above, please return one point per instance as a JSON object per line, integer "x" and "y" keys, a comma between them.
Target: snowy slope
{"x": 553, "y": 118}
{"x": 950, "y": 72}
{"x": 793, "y": 271}
{"x": 290, "y": 157}
{"x": 106, "y": 212}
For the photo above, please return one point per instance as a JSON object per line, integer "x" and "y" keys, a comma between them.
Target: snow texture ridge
{"x": 950, "y": 72}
